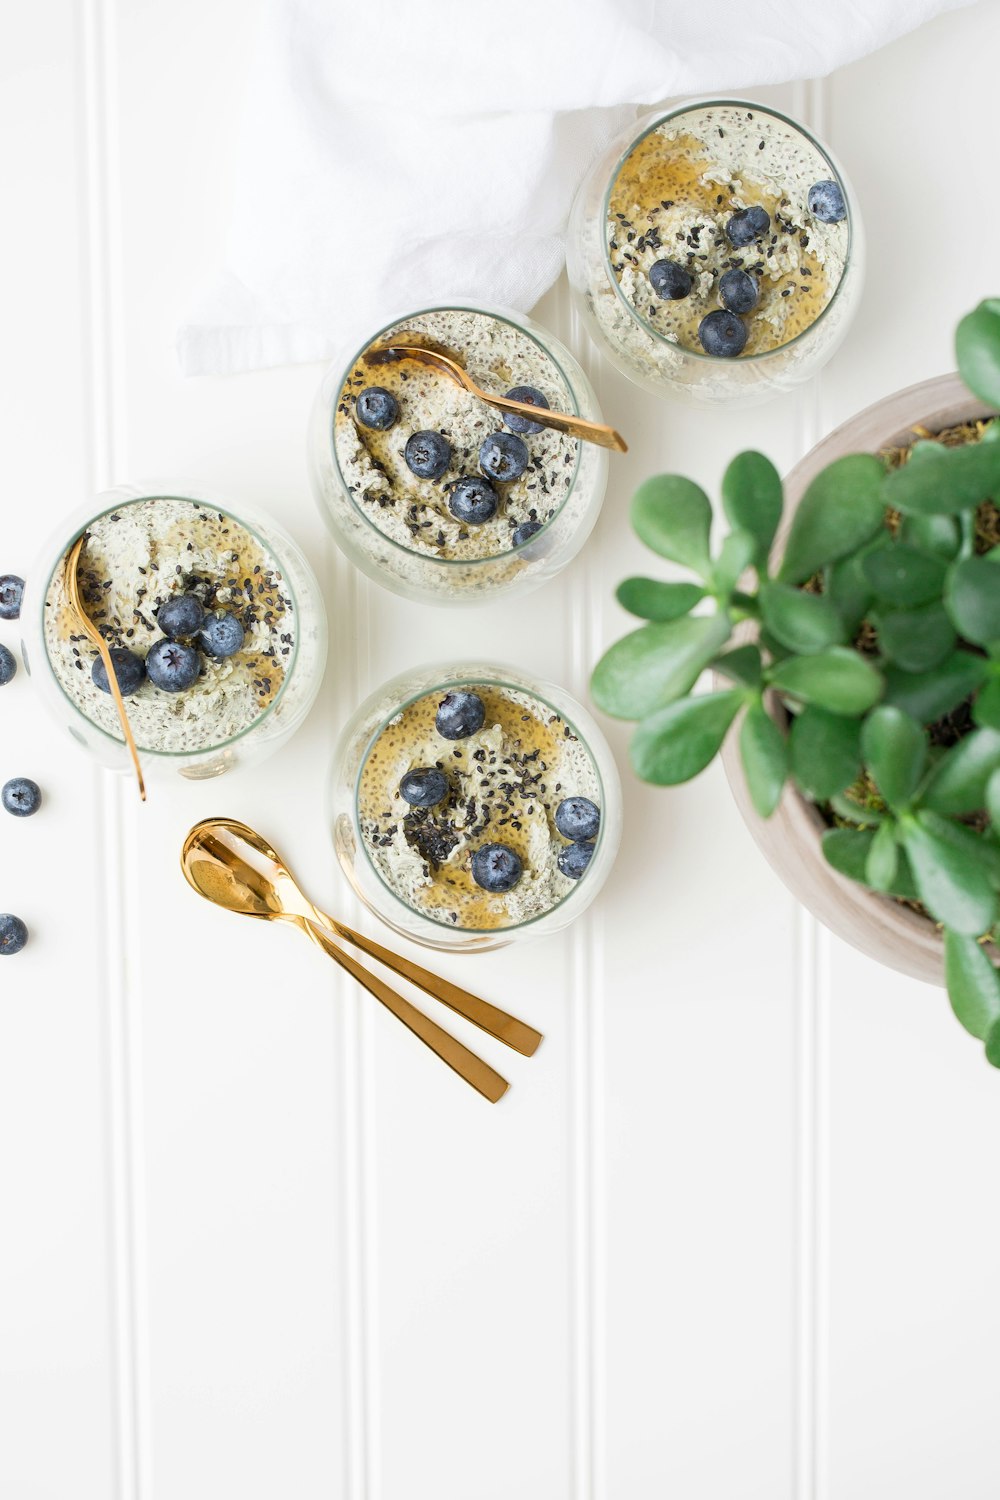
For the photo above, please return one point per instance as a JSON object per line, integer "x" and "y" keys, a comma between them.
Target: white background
{"x": 734, "y": 1231}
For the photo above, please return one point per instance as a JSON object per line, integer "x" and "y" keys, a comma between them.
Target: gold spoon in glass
{"x": 232, "y": 865}
{"x": 578, "y": 427}
{"x": 76, "y": 600}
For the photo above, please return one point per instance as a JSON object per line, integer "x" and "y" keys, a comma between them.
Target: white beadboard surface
{"x": 732, "y": 1231}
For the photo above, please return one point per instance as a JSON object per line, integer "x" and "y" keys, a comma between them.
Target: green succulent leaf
{"x": 927, "y": 696}
{"x": 736, "y": 554}
{"x": 973, "y": 984}
{"x": 954, "y": 888}
{"x": 883, "y": 859}
{"x": 825, "y": 752}
{"x": 916, "y": 639}
{"x": 847, "y": 850}
{"x": 972, "y": 599}
{"x": 957, "y": 784}
{"x": 838, "y": 679}
{"x": 651, "y": 599}
{"x": 992, "y": 1047}
{"x": 742, "y": 664}
{"x": 894, "y": 748}
{"x": 752, "y": 498}
{"x": 977, "y": 347}
{"x": 679, "y": 741}
{"x": 946, "y": 481}
{"x": 986, "y": 708}
{"x": 936, "y": 534}
{"x": 839, "y": 511}
{"x": 846, "y": 585}
{"x": 904, "y": 576}
{"x": 981, "y": 851}
{"x": 673, "y": 516}
{"x": 803, "y": 622}
{"x": 656, "y": 663}
{"x": 764, "y": 753}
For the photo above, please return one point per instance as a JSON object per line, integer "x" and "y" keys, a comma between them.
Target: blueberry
{"x": 11, "y": 594}
{"x": 531, "y": 397}
{"x": 738, "y": 290}
{"x": 425, "y": 787}
{"x": 21, "y": 797}
{"x": 473, "y": 500}
{"x": 130, "y": 671}
{"x": 722, "y": 334}
{"x": 503, "y": 456}
{"x": 427, "y": 454}
{"x": 181, "y": 616}
{"x": 669, "y": 280}
{"x": 496, "y": 868}
{"x": 525, "y": 532}
{"x": 578, "y": 818}
{"x": 826, "y": 202}
{"x": 13, "y": 934}
{"x": 8, "y": 666}
{"x": 173, "y": 666}
{"x": 221, "y": 636}
{"x": 747, "y": 225}
{"x": 376, "y": 407}
{"x": 574, "y": 859}
{"x": 460, "y": 714}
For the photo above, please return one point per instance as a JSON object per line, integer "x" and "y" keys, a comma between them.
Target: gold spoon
{"x": 578, "y": 427}
{"x": 230, "y": 864}
{"x": 76, "y": 600}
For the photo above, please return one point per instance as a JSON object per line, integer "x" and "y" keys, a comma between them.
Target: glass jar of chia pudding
{"x": 429, "y": 490}
{"x": 472, "y": 804}
{"x": 214, "y": 618}
{"x": 716, "y": 252}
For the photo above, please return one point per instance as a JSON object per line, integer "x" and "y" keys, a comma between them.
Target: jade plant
{"x": 860, "y": 657}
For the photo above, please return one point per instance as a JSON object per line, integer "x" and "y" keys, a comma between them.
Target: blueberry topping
{"x": 13, "y": 934}
{"x": 473, "y": 500}
{"x": 427, "y": 454}
{"x": 503, "y": 456}
{"x": 21, "y": 797}
{"x": 722, "y": 334}
{"x": 669, "y": 280}
{"x": 11, "y": 594}
{"x": 377, "y": 408}
{"x": 496, "y": 868}
{"x": 574, "y": 859}
{"x": 181, "y": 616}
{"x": 173, "y": 666}
{"x": 525, "y": 532}
{"x": 459, "y": 715}
{"x": 8, "y": 666}
{"x": 738, "y": 291}
{"x": 826, "y": 202}
{"x": 747, "y": 225}
{"x": 578, "y": 818}
{"x": 424, "y": 787}
{"x": 530, "y": 397}
{"x": 221, "y": 636}
{"x": 130, "y": 670}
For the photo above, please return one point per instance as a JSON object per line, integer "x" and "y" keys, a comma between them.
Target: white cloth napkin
{"x": 398, "y": 152}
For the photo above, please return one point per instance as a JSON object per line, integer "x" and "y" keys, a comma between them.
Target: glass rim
{"x": 450, "y": 685}
{"x": 145, "y": 749}
{"x": 635, "y": 315}
{"x": 426, "y": 557}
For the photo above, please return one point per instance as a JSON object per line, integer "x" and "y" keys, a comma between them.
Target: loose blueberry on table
{"x": 8, "y": 666}
{"x": 13, "y": 934}
{"x": 11, "y": 595}
{"x": 21, "y": 796}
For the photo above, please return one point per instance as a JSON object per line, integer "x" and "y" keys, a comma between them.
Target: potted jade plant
{"x": 851, "y": 619}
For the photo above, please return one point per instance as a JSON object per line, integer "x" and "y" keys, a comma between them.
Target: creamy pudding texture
{"x": 413, "y": 512}
{"x": 505, "y": 783}
{"x": 137, "y": 557}
{"x": 673, "y": 197}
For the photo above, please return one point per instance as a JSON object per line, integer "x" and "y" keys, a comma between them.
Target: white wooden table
{"x": 733, "y": 1233}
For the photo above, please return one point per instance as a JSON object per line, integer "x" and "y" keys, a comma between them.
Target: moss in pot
{"x": 871, "y": 684}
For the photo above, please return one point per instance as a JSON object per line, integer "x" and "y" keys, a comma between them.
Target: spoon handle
{"x": 466, "y": 1064}
{"x": 578, "y": 427}
{"x": 489, "y": 1018}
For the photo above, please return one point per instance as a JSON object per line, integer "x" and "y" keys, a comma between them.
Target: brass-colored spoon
{"x": 578, "y": 427}
{"x": 76, "y": 600}
{"x": 230, "y": 864}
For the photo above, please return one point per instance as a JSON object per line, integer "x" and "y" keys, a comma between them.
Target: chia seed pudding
{"x": 137, "y": 558}
{"x": 504, "y": 774}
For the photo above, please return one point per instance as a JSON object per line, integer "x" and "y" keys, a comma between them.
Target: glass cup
{"x": 349, "y": 762}
{"x": 643, "y": 352}
{"x": 422, "y": 575}
{"x": 269, "y": 729}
